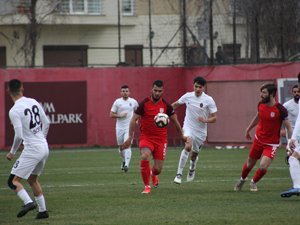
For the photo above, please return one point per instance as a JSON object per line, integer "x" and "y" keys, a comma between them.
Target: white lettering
{"x": 48, "y": 107}
{"x": 71, "y": 118}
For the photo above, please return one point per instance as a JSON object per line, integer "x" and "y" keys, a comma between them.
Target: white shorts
{"x": 198, "y": 140}
{"x": 122, "y": 136}
{"x": 31, "y": 161}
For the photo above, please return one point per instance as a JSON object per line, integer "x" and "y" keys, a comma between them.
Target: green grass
{"x": 86, "y": 186}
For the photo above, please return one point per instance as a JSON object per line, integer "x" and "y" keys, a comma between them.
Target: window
{"x": 238, "y": 7}
{"x": 67, "y": 56}
{"x": 228, "y": 50}
{"x": 134, "y": 55}
{"x": 2, "y": 57}
{"x": 128, "y": 7}
{"x": 80, "y": 6}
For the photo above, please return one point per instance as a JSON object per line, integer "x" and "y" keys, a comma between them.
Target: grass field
{"x": 86, "y": 186}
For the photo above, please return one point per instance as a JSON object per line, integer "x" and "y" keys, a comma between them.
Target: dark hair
{"x": 299, "y": 78}
{"x": 124, "y": 86}
{"x": 14, "y": 86}
{"x": 200, "y": 80}
{"x": 158, "y": 83}
{"x": 295, "y": 86}
{"x": 271, "y": 88}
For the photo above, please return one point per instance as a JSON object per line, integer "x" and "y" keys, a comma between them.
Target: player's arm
{"x": 175, "y": 105}
{"x": 178, "y": 127}
{"x": 45, "y": 122}
{"x": 252, "y": 124}
{"x": 18, "y": 138}
{"x": 116, "y": 115}
{"x": 132, "y": 125}
{"x": 211, "y": 119}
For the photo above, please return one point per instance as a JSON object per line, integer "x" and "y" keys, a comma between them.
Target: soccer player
{"x": 292, "y": 108}
{"x": 201, "y": 109}
{"x": 153, "y": 139}
{"x": 122, "y": 109}
{"x": 269, "y": 119}
{"x": 31, "y": 126}
{"x": 293, "y": 147}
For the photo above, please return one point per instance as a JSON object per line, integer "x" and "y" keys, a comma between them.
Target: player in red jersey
{"x": 153, "y": 139}
{"x": 269, "y": 118}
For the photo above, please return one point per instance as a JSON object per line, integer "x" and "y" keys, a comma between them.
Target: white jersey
{"x": 124, "y": 106}
{"x": 29, "y": 121}
{"x": 293, "y": 109}
{"x": 202, "y": 106}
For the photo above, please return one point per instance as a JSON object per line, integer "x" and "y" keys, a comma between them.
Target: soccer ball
{"x": 161, "y": 120}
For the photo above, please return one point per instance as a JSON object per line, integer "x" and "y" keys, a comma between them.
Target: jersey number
{"x": 35, "y": 118}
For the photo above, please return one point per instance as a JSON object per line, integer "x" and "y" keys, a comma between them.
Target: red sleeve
{"x": 140, "y": 108}
{"x": 283, "y": 111}
{"x": 170, "y": 110}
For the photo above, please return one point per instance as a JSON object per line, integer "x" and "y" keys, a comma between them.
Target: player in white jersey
{"x": 201, "y": 109}
{"x": 292, "y": 108}
{"x": 122, "y": 109}
{"x": 293, "y": 146}
{"x": 31, "y": 127}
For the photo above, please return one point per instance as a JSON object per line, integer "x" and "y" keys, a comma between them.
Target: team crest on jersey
{"x": 130, "y": 104}
{"x": 201, "y": 105}
{"x": 161, "y": 110}
{"x": 272, "y": 114}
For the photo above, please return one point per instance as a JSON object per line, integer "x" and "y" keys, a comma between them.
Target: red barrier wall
{"x": 103, "y": 87}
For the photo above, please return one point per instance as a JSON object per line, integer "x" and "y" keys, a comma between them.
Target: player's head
{"x": 268, "y": 91}
{"x": 199, "y": 85}
{"x": 125, "y": 91}
{"x": 157, "y": 90}
{"x": 15, "y": 87}
{"x": 296, "y": 93}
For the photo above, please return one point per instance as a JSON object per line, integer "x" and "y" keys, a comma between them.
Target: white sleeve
{"x": 114, "y": 107}
{"x": 45, "y": 121}
{"x": 296, "y": 130}
{"x": 18, "y": 138}
{"x": 182, "y": 99}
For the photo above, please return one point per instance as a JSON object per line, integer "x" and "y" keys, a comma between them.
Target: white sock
{"x": 182, "y": 161}
{"x": 122, "y": 154}
{"x": 193, "y": 164}
{"x": 40, "y": 201}
{"x": 24, "y": 196}
{"x": 127, "y": 156}
{"x": 295, "y": 171}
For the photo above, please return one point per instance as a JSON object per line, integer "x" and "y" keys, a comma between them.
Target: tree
{"x": 33, "y": 13}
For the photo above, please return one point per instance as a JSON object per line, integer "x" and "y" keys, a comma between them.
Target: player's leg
{"x": 268, "y": 155}
{"x": 146, "y": 148}
{"x": 197, "y": 146}
{"x": 183, "y": 159}
{"x": 120, "y": 140}
{"x": 254, "y": 154}
{"x": 294, "y": 161}
{"x": 21, "y": 170}
{"x": 158, "y": 155}
{"x": 126, "y": 153}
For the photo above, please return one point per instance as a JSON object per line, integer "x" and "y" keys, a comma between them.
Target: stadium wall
{"x": 90, "y": 92}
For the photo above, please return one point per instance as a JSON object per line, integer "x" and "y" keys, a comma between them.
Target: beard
{"x": 266, "y": 99}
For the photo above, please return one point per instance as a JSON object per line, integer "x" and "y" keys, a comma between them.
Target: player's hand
{"x": 247, "y": 135}
{"x": 202, "y": 119}
{"x": 126, "y": 144}
{"x": 184, "y": 138}
{"x": 9, "y": 156}
{"x": 290, "y": 147}
{"x": 123, "y": 115}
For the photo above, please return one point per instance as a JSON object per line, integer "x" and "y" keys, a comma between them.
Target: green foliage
{"x": 87, "y": 187}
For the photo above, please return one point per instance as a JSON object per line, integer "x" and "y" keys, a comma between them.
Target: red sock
{"x": 245, "y": 171}
{"x": 259, "y": 174}
{"x": 145, "y": 171}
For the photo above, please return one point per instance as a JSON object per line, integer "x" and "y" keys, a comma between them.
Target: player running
{"x": 153, "y": 139}
{"x": 122, "y": 109}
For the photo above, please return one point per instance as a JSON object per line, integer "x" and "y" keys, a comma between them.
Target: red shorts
{"x": 258, "y": 149}
{"x": 158, "y": 148}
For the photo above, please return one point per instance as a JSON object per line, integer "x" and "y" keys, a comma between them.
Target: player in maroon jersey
{"x": 153, "y": 139}
{"x": 269, "y": 118}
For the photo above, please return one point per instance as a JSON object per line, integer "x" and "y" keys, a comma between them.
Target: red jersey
{"x": 270, "y": 121}
{"x": 147, "y": 109}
